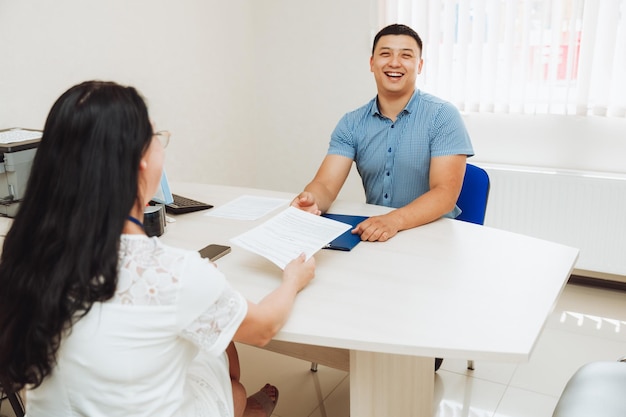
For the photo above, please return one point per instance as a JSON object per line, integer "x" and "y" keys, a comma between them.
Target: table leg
{"x": 383, "y": 384}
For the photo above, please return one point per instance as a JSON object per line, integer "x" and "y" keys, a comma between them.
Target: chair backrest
{"x": 474, "y": 194}
{"x": 595, "y": 389}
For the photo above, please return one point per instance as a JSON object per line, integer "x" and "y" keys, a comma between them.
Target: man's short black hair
{"x": 397, "y": 29}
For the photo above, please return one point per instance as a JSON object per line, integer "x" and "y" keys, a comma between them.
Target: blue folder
{"x": 347, "y": 240}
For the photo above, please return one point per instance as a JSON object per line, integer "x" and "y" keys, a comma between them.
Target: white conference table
{"x": 447, "y": 289}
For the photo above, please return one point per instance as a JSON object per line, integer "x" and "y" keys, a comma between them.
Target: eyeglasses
{"x": 164, "y": 137}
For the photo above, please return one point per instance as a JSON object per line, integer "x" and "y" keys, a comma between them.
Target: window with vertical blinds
{"x": 521, "y": 56}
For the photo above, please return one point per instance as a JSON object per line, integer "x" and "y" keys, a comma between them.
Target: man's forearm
{"x": 323, "y": 196}
{"x": 424, "y": 209}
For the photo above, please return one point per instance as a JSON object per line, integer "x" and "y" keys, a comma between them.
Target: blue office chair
{"x": 473, "y": 203}
{"x": 474, "y": 195}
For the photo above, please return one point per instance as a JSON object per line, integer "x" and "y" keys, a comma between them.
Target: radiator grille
{"x": 579, "y": 209}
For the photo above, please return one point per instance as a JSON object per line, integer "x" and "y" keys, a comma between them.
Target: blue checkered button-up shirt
{"x": 393, "y": 158}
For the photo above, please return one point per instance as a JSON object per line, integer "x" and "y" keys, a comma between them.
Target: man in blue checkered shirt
{"x": 410, "y": 148}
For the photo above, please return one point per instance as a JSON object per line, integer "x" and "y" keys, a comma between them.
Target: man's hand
{"x": 306, "y": 201}
{"x": 377, "y": 228}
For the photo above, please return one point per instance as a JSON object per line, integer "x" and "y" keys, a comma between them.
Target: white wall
{"x": 562, "y": 142}
{"x": 312, "y": 61}
{"x": 250, "y": 89}
{"x": 190, "y": 58}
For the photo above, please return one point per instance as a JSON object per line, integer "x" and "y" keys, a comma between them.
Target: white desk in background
{"x": 447, "y": 289}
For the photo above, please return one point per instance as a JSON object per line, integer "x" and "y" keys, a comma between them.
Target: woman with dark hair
{"x": 96, "y": 318}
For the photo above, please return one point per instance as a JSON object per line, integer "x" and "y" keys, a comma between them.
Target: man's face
{"x": 395, "y": 63}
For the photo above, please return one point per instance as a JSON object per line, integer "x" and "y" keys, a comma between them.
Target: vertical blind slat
{"x": 550, "y": 56}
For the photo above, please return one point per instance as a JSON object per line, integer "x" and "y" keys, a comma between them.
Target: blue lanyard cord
{"x": 136, "y": 221}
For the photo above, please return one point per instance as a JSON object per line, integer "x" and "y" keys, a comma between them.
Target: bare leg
{"x": 239, "y": 392}
{"x": 260, "y": 404}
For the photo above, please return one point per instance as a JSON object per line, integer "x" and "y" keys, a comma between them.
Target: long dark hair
{"x": 61, "y": 253}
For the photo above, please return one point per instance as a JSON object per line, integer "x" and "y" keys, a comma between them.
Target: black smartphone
{"x": 214, "y": 252}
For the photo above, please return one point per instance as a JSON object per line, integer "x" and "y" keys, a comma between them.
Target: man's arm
{"x": 446, "y": 179}
{"x": 320, "y": 193}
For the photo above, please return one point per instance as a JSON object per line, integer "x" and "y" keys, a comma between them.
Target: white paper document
{"x": 288, "y": 234}
{"x": 247, "y": 207}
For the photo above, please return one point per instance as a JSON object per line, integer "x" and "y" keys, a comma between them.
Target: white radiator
{"x": 579, "y": 209}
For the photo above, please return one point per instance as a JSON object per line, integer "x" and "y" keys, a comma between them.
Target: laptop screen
{"x": 163, "y": 194}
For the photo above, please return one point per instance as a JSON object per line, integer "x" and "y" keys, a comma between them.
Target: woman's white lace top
{"x": 156, "y": 348}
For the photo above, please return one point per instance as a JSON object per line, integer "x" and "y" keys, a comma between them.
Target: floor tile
{"x": 593, "y": 300}
{"x": 521, "y": 403}
{"x": 489, "y": 371}
{"x": 301, "y": 391}
{"x": 338, "y": 402}
{"x": 558, "y": 355}
{"x": 591, "y": 311}
{"x": 459, "y": 395}
{"x": 5, "y": 409}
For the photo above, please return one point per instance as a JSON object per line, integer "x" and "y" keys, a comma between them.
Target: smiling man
{"x": 410, "y": 148}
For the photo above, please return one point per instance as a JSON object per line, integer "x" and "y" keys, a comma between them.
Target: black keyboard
{"x": 182, "y": 205}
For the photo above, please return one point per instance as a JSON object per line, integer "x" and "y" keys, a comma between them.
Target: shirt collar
{"x": 374, "y": 111}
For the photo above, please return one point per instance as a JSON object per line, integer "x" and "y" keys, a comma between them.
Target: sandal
{"x": 264, "y": 399}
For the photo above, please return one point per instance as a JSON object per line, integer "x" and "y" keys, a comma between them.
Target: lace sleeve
{"x": 216, "y": 326}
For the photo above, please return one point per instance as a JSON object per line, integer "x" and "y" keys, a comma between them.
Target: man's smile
{"x": 393, "y": 74}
